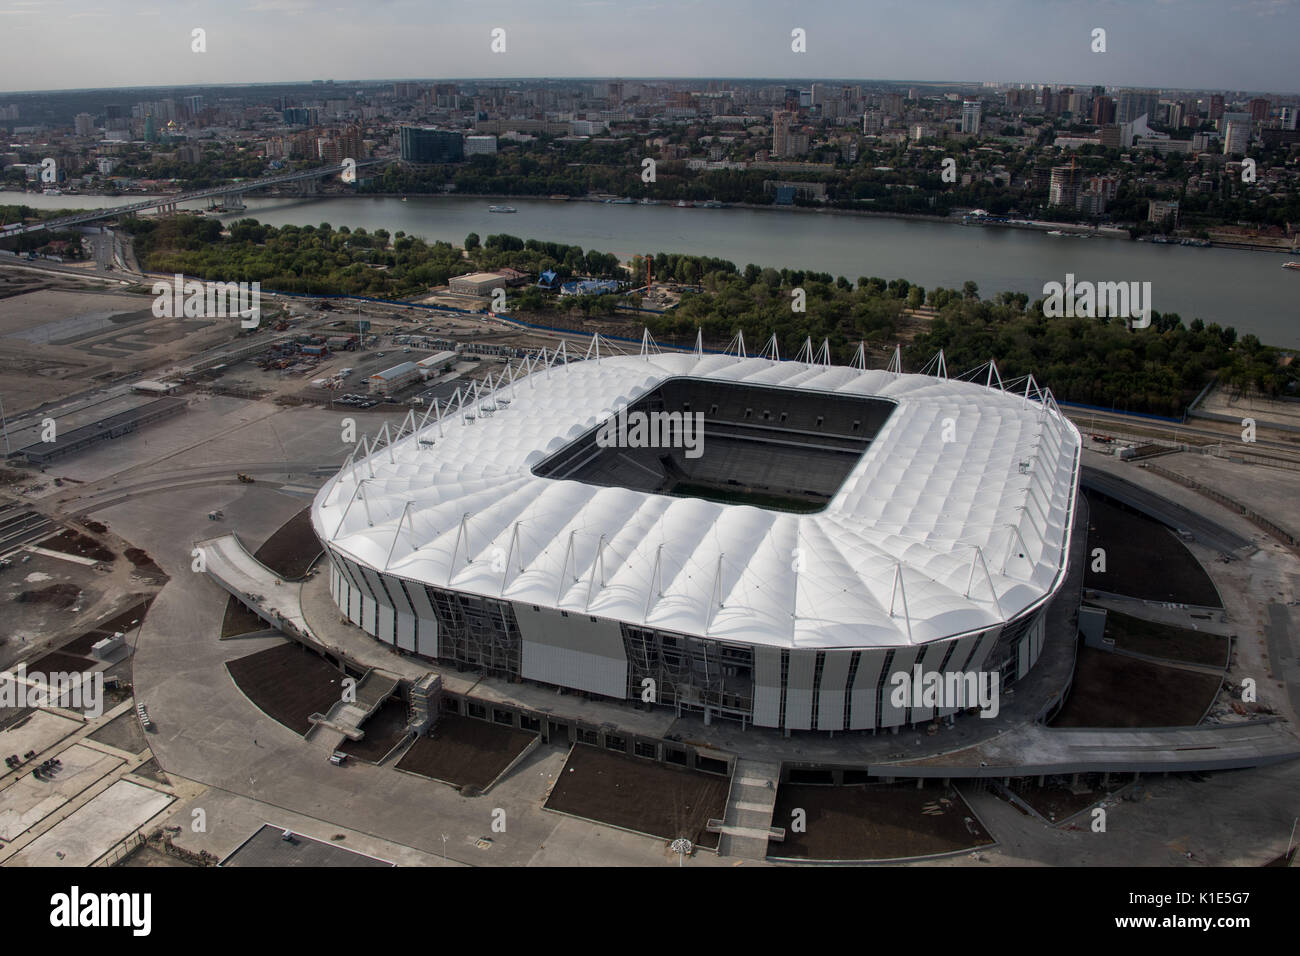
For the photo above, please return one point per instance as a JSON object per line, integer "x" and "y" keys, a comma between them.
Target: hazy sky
{"x": 1228, "y": 44}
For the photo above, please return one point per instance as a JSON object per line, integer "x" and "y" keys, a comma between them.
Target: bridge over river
{"x": 168, "y": 203}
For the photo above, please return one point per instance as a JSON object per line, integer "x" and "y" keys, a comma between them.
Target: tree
{"x": 471, "y": 242}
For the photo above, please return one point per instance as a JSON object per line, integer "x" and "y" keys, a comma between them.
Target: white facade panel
{"x": 862, "y": 707}
{"x": 799, "y": 689}
{"x": 572, "y": 650}
{"x": 832, "y": 690}
{"x": 405, "y": 631}
{"x": 931, "y": 658}
{"x": 767, "y": 686}
{"x": 957, "y": 664}
{"x": 385, "y": 629}
{"x": 426, "y": 623}
{"x": 376, "y": 588}
{"x": 988, "y": 640}
{"x": 892, "y": 715}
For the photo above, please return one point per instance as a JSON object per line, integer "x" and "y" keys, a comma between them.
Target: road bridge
{"x": 169, "y": 203}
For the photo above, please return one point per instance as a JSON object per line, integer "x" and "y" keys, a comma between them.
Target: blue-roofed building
{"x": 589, "y": 287}
{"x": 549, "y": 280}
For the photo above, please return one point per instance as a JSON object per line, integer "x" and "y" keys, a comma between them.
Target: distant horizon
{"x": 71, "y": 45}
{"x": 774, "y": 80}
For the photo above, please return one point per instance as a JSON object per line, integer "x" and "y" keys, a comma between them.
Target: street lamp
{"x": 681, "y": 846}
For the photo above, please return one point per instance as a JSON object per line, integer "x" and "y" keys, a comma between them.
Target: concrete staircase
{"x": 747, "y": 827}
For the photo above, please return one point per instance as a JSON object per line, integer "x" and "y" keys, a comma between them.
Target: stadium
{"x": 836, "y": 526}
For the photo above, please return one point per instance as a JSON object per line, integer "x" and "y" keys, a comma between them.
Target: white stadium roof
{"x": 925, "y": 539}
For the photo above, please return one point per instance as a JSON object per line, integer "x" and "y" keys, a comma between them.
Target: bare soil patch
{"x": 874, "y": 822}
{"x": 640, "y": 795}
{"x": 465, "y": 752}
{"x": 288, "y": 683}
{"x": 1144, "y": 559}
{"x": 83, "y": 546}
{"x": 1111, "y": 690}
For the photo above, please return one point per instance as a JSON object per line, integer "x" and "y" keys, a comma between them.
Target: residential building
{"x": 422, "y": 144}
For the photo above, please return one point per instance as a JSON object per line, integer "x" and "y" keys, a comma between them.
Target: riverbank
{"x": 1232, "y": 287}
{"x": 1029, "y": 225}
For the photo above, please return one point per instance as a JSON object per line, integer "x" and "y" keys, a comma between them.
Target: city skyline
{"x": 1164, "y": 44}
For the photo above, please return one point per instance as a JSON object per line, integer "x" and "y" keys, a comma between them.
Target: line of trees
{"x": 1098, "y": 361}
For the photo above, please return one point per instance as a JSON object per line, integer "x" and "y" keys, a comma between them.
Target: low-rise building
{"x": 394, "y": 379}
{"x": 478, "y": 283}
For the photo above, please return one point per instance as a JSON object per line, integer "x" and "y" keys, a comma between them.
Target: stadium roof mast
{"x": 978, "y": 556}
{"x": 824, "y": 354}
{"x": 737, "y": 341}
{"x": 806, "y": 353}
{"x": 893, "y": 596}
{"x": 647, "y": 343}
{"x": 896, "y": 363}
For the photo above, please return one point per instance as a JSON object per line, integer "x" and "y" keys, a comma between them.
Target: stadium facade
{"x": 841, "y": 526}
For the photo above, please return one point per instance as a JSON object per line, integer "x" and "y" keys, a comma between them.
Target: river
{"x": 1245, "y": 289}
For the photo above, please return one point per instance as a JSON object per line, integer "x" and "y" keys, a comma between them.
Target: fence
{"x": 1254, "y": 517}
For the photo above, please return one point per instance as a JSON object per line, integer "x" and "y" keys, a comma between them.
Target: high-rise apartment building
{"x": 1064, "y": 187}
{"x": 1236, "y": 137}
{"x": 1135, "y": 103}
{"x": 782, "y": 120}
{"x": 1103, "y": 110}
{"x": 422, "y": 144}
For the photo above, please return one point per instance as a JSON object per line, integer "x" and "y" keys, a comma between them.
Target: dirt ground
{"x": 74, "y": 542}
{"x": 153, "y": 771}
{"x": 123, "y": 732}
{"x": 1166, "y": 641}
{"x": 125, "y": 621}
{"x": 1056, "y": 801}
{"x": 1144, "y": 559}
{"x": 877, "y": 822}
{"x": 288, "y": 683}
{"x": 240, "y": 620}
{"x": 465, "y": 752}
{"x": 383, "y": 730}
{"x": 640, "y": 795}
{"x": 1111, "y": 690}
{"x": 149, "y": 857}
{"x": 292, "y": 549}
{"x": 60, "y": 337}
{"x": 57, "y": 661}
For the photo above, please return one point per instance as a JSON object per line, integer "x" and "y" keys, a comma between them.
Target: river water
{"x": 1248, "y": 290}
